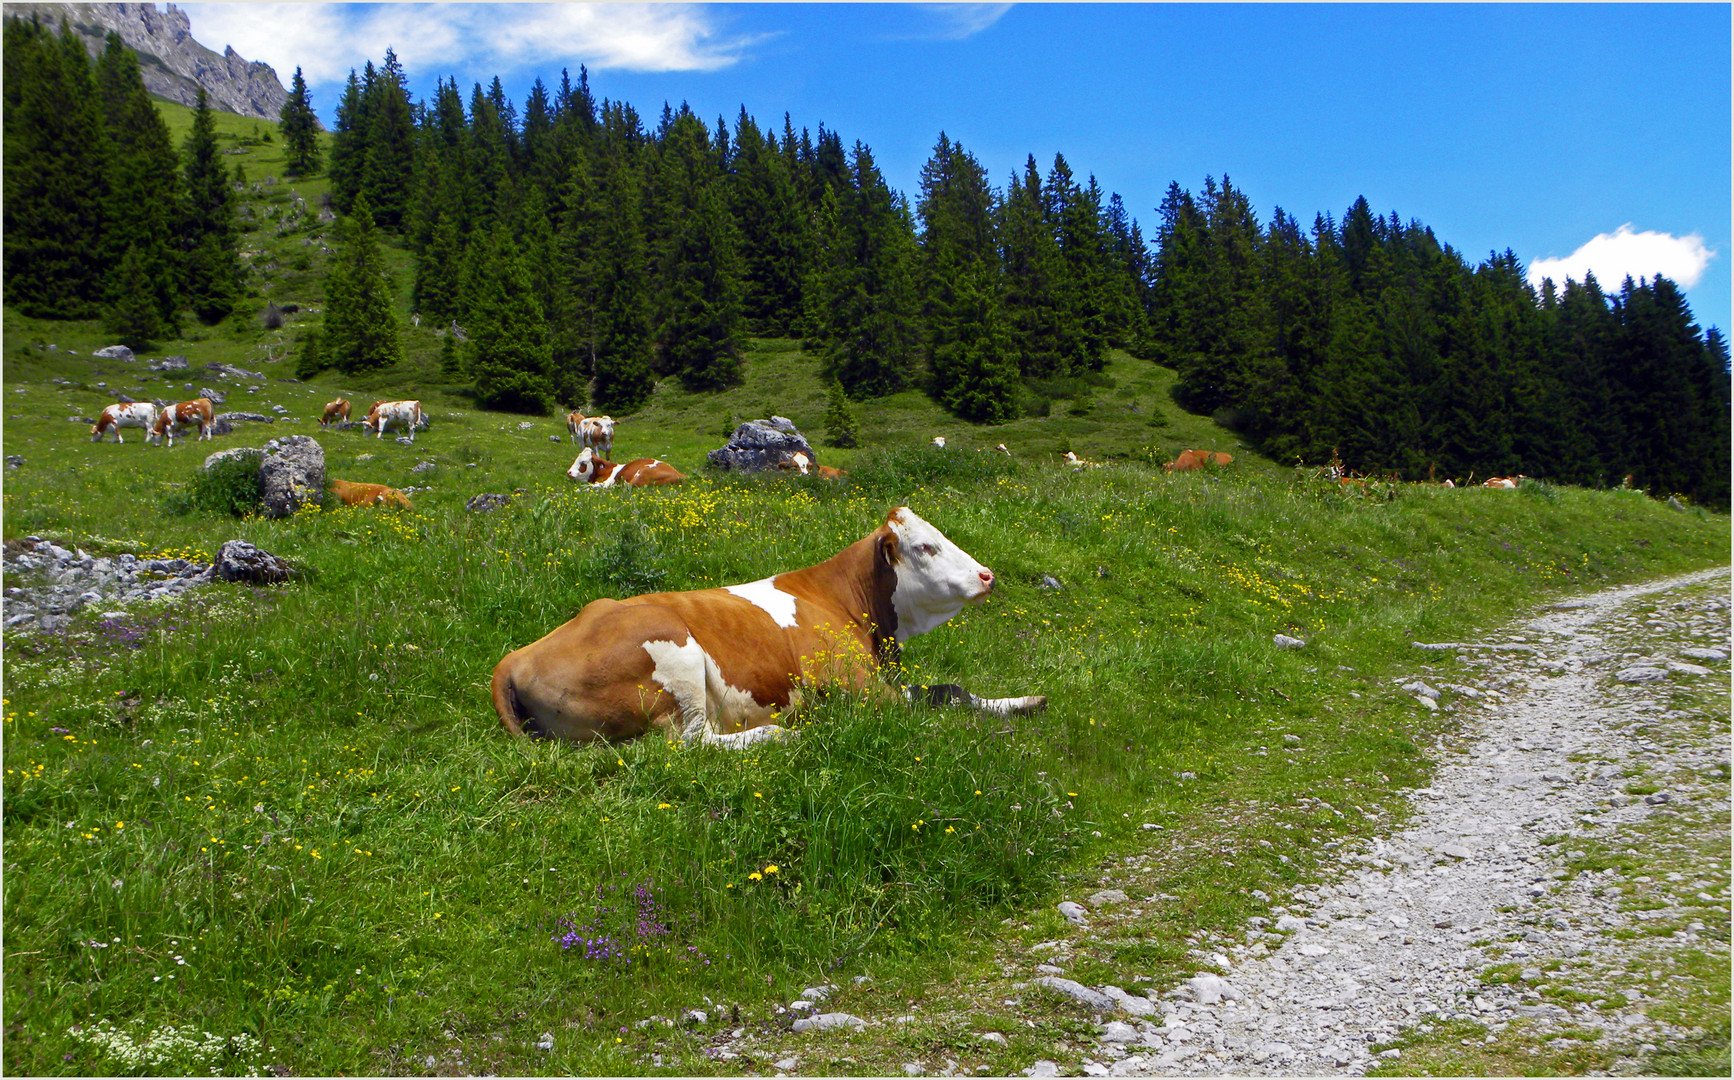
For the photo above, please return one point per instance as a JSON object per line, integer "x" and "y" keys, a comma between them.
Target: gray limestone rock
{"x": 292, "y": 472}
{"x": 239, "y": 560}
{"x": 756, "y": 445}
{"x": 1077, "y": 991}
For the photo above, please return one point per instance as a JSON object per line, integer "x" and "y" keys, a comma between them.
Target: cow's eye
{"x": 929, "y": 549}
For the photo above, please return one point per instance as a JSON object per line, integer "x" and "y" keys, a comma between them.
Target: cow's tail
{"x": 506, "y": 700}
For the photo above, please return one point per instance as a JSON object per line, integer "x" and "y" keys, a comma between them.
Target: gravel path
{"x": 1490, "y": 871}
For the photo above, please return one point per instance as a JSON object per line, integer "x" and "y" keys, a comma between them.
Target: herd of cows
{"x": 725, "y": 666}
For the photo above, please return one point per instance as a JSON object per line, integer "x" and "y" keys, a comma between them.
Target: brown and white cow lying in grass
{"x": 1504, "y": 481}
{"x": 182, "y": 415}
{"x": 335, "y": 411}
{"x": 138, "y": 414}
{"x": 350, "y": 493}
{"x": 800, "y": 463}
{"x": 1074, "y": 461}
{"x": 722, "y": 666}
{"x": 389, "y": 414}
{"x": 1198, "y": 459}
{"x": 589, "y": 468}
{"x": 595, "y": 432}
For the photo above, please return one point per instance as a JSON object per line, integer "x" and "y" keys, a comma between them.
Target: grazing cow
{"x": 723, "y": 666}
{"x": 182, "y": 415}
{"x": 386, "y": 414}
{"x": 1077, "y": 462}
{"x": 138, "y": 414}
{"x": 939, "y": 442}
{"x": 1503, "y": 481}
{"x": 353, "y": 494}
{"x": 335, "y": 411}
{"x": 596, "y": 432}
{"x": 800, "y": 463}
{"x": 1198, "y": 459}
{"x": 589, "y": 468}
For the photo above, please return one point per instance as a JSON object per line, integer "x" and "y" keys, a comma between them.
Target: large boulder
{"x": 114, "y": 352}
{"x": 758, "y": 445}
{"x": 292, "y": 472}
{"x": 239, "y": 560}
{"x": 170, "y": 363}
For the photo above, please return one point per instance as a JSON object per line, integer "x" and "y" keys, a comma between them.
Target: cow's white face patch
{"x": 764, "y": 595}
{"x": 584, "y": 466}
{"x": 801, "y": 462}
{"x": 935, "y": 577}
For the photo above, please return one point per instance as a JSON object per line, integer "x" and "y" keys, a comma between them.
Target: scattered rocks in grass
{"x": 230, "y": 370}
{"x": 1106, "y": 898}
{"x": 217, "y": 397}
{"x": 1641, "y": 674}
{"x": 1695, "y": 654}
{"x": 481, "y": 504}
{"x": 1075, "y": 913}
{"x": 1284, "y": 641}
{"x": 1078, "y": 992}
{"x": 422, "y": 467}
{"x": 14, "y": 461}
{"x": 113, "y": 352}
{"x": 169, "y": 363}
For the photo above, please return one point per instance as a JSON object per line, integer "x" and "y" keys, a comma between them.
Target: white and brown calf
{"x": 723, "y": 666}
{"x": 595, "y": 432}
{"x": 183, "y": 414}
{"x": 335, "y": 411}
{"x": 138, "y": 414}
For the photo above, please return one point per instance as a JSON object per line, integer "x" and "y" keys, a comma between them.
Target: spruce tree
{"x": 387, "y": 168}
{"x": 56, "y": 190}
{"x": 975, "y": 371}
{"x": 132, "y": 316}
{"x": 1033, "y": 270}
{"x": 212, "y": 263}
{"x": 508, "y": 353}
{"x": 360, "y": 312}
{"x": 311, "y": 359}
{"x": 841, "y": 427}
{"x": 698, "y": 263}
{"x": 300, "y": 127}
{"x": 144, "y": 185}
{"x": 348, "y": 146}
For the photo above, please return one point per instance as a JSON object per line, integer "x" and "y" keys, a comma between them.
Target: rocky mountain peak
{"x": 173, "y": 64}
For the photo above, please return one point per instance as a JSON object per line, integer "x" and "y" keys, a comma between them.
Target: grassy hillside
{"x": 290, "y": 814}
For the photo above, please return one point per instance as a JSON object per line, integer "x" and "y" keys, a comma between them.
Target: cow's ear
{"x": 888, "y": 549}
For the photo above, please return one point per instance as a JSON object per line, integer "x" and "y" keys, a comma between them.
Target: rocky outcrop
{"x": 761, "y": 444}
{"x": 174, "y": 66}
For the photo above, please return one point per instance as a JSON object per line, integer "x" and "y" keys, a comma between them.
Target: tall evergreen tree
{"x": 132, "y": 316}
{"x": 386, "y": 169}
{"x": 348, "y": 145}
{"x": 212, "y": 260}
{"x": 300, "y": 127}
{"x": 55, "y": 184}
{"x": 144, "y": 186}
{"x": 361, "y": 329}
{"x": 698, "y": 262}
{"x": 508, "y": 352}
{"x": 1033, "y": 271}
{"x": 975, "y": 374}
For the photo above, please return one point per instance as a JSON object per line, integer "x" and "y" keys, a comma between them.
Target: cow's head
{"x": 934, "y": 577}
{"x": 584, "y": 469}
{"x": 801, "y": 464}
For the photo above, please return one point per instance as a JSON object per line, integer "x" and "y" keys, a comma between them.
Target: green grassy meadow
{"x": 290, "y": 813}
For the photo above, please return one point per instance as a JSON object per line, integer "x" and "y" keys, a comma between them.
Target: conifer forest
{"x": 588, "y": 252}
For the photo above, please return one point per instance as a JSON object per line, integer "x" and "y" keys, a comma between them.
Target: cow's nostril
{"x": 987, "y": 578}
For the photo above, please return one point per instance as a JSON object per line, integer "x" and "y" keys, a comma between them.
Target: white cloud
{"x": 326, "y": 40}
{"x": 959, "y": 21}
{"x": 1614, "y": 256}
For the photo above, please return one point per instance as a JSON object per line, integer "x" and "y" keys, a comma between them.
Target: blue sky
{"x": 1593, "y": 135}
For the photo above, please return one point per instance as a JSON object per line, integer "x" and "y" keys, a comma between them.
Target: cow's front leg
{"x": 953, "y": 694}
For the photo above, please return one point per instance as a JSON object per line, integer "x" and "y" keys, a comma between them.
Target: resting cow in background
{"x": 387, "y": 414}
{"x": 335, "y": 411}
{"x": 1503, "y": 481}
{"x": 595, "y": 432}
{"x": 1198, "y": 459}
{"x": 1077, "y": 462}
{"x": 800, "y": 463}
{"x": 723, "y": 665}
{"x": 138, "y": 414}
{"x": 182, "y": 415}
{"x": 354, "y": 494}
{"x": 589, "y": 468}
